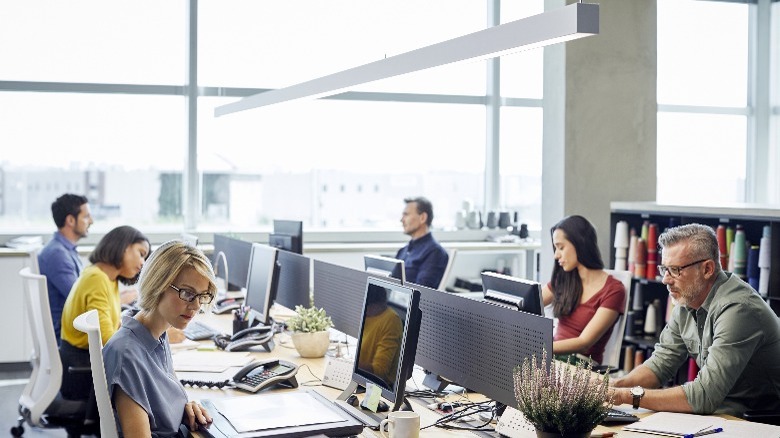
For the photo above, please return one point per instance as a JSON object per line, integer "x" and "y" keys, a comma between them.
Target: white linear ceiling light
{"x": 564, "y": 24}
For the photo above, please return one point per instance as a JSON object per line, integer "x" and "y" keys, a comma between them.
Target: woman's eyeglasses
{"x": 190, "y": 296}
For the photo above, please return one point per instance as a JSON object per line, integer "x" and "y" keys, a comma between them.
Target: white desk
{"x": 312, "y": 370}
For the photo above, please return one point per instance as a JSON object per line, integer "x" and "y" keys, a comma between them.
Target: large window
{"x": 101, "y": 108}
{"x": 703, "y": 76}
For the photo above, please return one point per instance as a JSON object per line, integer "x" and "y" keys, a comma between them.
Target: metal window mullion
{"x": 191, "y": 181}
{"x": 759, "y": 60}
{"x": 492, "y": 117}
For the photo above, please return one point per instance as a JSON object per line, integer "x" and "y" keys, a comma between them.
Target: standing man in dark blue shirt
{"x": 59, "y": 261}
{"x": 424, "y": 259}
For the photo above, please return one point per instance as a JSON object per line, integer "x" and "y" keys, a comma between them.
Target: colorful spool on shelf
{"x": 722, "y": 247}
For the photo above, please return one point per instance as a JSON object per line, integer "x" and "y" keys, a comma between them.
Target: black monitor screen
{"x": 388, "y": 337}
{"x": 287, "y": 235}
{"x": 522, "y": 294}
{"x": 262, "y": 283}
{"x": 237, "y": 253}
{"x": 385, "y": 267}
{"x": 294, "y": 280}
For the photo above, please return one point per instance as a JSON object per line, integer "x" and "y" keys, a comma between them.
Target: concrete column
{"x": 599, "y": 120}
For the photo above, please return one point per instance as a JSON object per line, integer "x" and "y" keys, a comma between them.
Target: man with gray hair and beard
{"x": 718, "y": 320}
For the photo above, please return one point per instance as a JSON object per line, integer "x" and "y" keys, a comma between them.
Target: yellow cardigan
{"x": 92, "y": 290}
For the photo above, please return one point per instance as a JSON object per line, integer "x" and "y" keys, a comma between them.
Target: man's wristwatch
{"x": 637, "y": 393}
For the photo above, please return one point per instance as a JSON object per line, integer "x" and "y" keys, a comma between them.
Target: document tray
{"x": 221, "y": 427}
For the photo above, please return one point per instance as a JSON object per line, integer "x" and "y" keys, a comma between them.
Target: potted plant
{"x": 562, "y": 400}
{"x": 310, "y": 331}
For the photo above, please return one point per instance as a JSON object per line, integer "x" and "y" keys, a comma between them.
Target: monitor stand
{"x": 367, "y": 417}
{"x": 435, "y": 382}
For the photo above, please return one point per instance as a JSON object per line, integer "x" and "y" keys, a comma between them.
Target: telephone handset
{"x": 264, "y": 374}
{"x": 244, "y": 339}
{"x": 226, "y": 304}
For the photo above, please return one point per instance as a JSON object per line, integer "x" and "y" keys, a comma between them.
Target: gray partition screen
{"x": 477, "y": 345}
{"x": 294, "y": 277}
{"x": 340, "y": 291}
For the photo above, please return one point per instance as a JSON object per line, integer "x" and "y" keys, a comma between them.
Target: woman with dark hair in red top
{"x": 586, "y": 300}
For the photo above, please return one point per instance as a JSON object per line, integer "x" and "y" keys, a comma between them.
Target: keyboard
{"x": 616, "y": 416}
{"x": 197, "y": 331}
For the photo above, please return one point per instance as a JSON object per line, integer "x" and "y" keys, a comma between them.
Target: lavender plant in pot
{"x": 561, "y": 400}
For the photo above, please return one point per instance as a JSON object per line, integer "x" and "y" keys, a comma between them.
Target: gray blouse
{"x": 142, "y": 366}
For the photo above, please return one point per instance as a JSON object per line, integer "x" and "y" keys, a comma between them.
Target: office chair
{"x": 445, "y": 278}
{"x": 33, "y": 260}
{"x": 90, "y": 324}
{"x": 613, "y": 347}
{"x": 41, "y": 404}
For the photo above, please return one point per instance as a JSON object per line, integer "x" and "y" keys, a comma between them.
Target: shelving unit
{"x": 753, "y": 217}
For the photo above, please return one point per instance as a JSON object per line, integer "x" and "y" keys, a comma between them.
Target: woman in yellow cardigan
{"x": 119, "y": 256}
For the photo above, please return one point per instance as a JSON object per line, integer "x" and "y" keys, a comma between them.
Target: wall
{"x": 599, "y": 120}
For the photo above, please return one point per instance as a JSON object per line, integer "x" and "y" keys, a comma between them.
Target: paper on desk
{"x": 272, "y": 411}
{"x": 675, "y": 424}
{"x": 209, "y": 361}
{"x": 742, "y": 429}
{"x": 186, "y": 344}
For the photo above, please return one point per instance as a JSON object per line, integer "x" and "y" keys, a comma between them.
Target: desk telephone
{"x": 247, "y": 338}
{"x": 257, "y": 376}
{"x": 226, "y": 305}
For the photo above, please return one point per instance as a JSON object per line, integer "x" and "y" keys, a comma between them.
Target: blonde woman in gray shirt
{"x": 148, "y": 398}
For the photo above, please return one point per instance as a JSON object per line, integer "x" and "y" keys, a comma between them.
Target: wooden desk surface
{"x": 312, "y": 371}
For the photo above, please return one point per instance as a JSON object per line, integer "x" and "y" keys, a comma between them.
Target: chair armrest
{"x": 766, "y": 417}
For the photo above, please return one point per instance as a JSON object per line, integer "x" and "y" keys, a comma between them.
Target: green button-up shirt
{"x": 735, "y": 339}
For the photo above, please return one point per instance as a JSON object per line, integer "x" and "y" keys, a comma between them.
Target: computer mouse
{"x": 352, "y": 400}
{"x": 382, "y": 407}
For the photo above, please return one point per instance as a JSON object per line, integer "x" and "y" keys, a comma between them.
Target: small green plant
{"x": 563, "y": 398}
{"x": 309, "y": 320}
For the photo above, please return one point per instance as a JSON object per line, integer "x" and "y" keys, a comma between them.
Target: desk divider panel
{"x": 340, "y": 291}
{"x": 477, "y": 345}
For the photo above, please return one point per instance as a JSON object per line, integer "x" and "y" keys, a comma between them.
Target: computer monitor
{"x": 287, "y": 235}
{"x": 514, "y": 292}
{"x": 262, "y": 283}
{"x": 385, "y": 267}
{"x": 387, "y": 343}
{"x": 294, "y": 280}
{"x": 236, "y": 253}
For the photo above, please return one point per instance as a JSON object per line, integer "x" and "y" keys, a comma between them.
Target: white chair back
{"x": 46, "y": 376}
{"x": 445, "y": 278}
{"x": 611, "y": 356}
{"x": 32, "y": 258}
{"x": 89, "y": 323}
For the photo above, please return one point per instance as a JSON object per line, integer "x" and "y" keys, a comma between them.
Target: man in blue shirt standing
{"x": 424, "y": 259}
{"x": 59, "y": 261}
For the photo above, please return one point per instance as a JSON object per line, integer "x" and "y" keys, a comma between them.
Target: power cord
{"x": 207, "y": 384}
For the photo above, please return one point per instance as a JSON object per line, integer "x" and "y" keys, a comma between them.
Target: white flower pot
{"x": 311, "y": 344}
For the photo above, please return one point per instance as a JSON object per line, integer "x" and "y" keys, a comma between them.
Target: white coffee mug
{"x": 401, "y": 424}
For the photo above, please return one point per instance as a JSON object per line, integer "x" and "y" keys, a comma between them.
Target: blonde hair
{"x": 164, "y": 265}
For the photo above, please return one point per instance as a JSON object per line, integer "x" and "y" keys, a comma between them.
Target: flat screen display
{"x": 387, "y": 342}
{"x": 262, "y": 282}
{"x": 526, "y": 295}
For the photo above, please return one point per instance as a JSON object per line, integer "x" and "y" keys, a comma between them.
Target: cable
{"x": 207, "y": 384}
